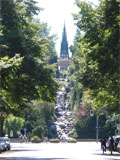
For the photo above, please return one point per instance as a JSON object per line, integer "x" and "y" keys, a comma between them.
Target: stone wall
{"x": 63, "y": 63}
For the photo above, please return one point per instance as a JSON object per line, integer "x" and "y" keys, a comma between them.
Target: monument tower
{"x": 64, "y": 60}
{"x": 64, "y": 45}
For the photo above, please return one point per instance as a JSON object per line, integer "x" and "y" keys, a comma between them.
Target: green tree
{"x": 96, "y": 62}
{"x": 38, "y": 115}
{"x": 51, "y": 54}
{"x": 8, "y": 98}
{"x": 15, "y": 124}
{"x": 19, "y": 33}
{"x": 99, "y": 48}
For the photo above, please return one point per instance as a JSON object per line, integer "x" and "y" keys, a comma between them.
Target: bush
{"x": 35, "y": 139}
{"x": 55, "y": 140}
{"x": 72, "y": 140}
{"x": 38, "y": 131}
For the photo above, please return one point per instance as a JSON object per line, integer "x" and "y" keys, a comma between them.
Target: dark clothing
{"x": 112, "y": 143}
{"x": 103, "y": 142}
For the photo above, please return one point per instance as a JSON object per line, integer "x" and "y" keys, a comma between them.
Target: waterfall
{"x": 63, "y": 126}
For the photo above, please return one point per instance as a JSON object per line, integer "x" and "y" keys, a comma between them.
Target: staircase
{"x": 63, "y": 126}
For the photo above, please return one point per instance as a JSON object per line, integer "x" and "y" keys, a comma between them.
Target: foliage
{"x": 72, "y": 140}
{"x": 94, "y": 72}
{"x": 35, "y": 138}
{"x": 38, "y": 131}
{"x": 7, "y": 62}
{"x": 111, "y": 124}
{"x": 9, "y": 99}
{"x": 39, "y": 114}
{"x": 85, "y": 127}
{"x": 22, "y": 33}
{"x": 110, "y": 128}
{"x": 76, "y": 95}
{"x": 80, "y": 112}
{"x": 54, "y": 140}
{"x": 96, "y": 52}
{"x": 15, "y": 124}
{"x": 27, "y": 77}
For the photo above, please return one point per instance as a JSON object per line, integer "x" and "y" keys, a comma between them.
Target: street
{"x": 58, "y": 151}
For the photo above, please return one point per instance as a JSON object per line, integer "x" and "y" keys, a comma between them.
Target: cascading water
{"x": 63, "y": 126}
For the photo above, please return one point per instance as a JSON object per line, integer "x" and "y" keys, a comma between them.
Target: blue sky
{"x": 55, "y": 13}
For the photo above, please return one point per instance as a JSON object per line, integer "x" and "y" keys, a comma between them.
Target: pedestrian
{"x": 111, "y": 143}
{"x": 103, "y": 142}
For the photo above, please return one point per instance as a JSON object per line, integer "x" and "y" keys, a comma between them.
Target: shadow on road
{"x": 21, "y": 150}
{"x": 24, "y": 158}
{"x": 108, "y": 156}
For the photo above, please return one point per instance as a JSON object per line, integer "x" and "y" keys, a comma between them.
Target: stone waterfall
{"x": 63, "y": 127}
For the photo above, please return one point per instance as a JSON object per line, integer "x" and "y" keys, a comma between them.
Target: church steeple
{"x": 64, "y": 45}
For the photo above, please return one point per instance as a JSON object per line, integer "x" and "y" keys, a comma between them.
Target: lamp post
{"x": 97, "y": 120}
{"x": 97, "y": 124}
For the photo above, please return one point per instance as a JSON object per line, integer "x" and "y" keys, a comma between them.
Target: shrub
{"x": 35, "y": 138}
{"x": 55, "y": 140}
{"x": 72, "y": 140}
{"x": 38, "y": 131}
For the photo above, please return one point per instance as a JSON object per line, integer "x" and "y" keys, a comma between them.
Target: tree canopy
{"x": 23, "y": 34}
{"x": 97, "y": 50}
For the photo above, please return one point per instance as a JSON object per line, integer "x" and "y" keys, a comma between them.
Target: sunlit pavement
{"x": 58, "y": 151}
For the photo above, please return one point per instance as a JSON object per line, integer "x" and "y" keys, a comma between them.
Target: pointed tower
{"x": 64, "y": 45}
{"x": 64, "y": 60}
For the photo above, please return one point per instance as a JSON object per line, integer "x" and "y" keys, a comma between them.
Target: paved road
{"x": 57, "y": 151}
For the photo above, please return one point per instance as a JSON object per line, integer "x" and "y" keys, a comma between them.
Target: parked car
{"x": 7, "y": 142}
{"x": 1, "y": 148}
{"x": 2, "y": 143}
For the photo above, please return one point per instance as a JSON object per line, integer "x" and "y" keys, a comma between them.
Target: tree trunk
{"x": 1, "y": 127}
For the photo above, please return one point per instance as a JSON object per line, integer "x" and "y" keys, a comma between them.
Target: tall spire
{"x": 64, "y": 44}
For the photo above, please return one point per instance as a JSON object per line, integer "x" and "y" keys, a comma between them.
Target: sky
{"x": 55, "y": 13}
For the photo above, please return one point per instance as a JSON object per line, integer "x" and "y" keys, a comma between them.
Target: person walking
{"x": 111, "y": 144}
{"x": 103, "y": 143}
